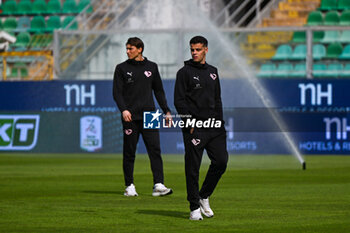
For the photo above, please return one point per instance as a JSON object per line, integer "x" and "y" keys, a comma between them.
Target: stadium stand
{"x": 330, "y": 48}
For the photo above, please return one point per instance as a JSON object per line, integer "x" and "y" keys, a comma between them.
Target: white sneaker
{"x": 160, "y": 190}
{"x": 130, "y": 191}
{"x": 205, "y": 208}
{"x": 196, "y": 215}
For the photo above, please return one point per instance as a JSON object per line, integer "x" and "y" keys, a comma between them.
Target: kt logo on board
{"x": 18, "y": 132}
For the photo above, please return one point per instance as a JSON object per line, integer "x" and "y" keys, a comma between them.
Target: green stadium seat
{"x": 334, "y": 69}
{"x": 22, "y": 40}
{"x": 83, "y": 4}
{"x": 24, "y": 7}
{"x": 54, "y": 22}
{"x": 315, "y": 18}
{"x": 319, "y": 70}
{"x": 345, "y": 37}
{"x": 67, "y": 20}
{"x": 332, "y": 18}
{"x": 327, "y": 5}
{"x": 9, "y": 7}
{"x": 23, "y": 24}
{"x": 334, "y": 50}
{"x": 38, "y": 24}
{"x": 54, "y": 7}
{"x": 343, "y": 5}
{"x": 10, "y": 24}
{"x": 299, "y": 70}
{"x": 346, "y": 71}
{"x": 284, "y": 70}
{"x": 318, "y": 51}
{"x": 299, "y": 37}
{"x": 345, "y": 55}
{"x": 69, "y": 7}
{"x": 1, "y": 25}
{"x": 267, "y": 70}
{"x": 39, "y": 7}
{"x": 283, "y": 52}
{"x": 318, "y": 36}
{"x": 299, "y": 52}
{"x": 19, "y": 70}
{"x": 331, "y": 36}
{"x": 345, "y": 18}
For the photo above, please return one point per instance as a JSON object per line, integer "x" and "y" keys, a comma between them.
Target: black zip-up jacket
{"x": 197, "y": 91}
{"x": 132, "y": 87}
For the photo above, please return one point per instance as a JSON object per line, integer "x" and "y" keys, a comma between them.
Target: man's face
{"x": 198, "y": 52}
{"x": 133, "y": 52}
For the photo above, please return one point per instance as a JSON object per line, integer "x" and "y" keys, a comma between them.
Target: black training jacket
{"x": 197, "y": 91}
{"x": 132, "y": 87}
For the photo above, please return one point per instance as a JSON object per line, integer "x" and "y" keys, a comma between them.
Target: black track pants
{"x": 132, "y": 131}
{"x": 214, "y": 141}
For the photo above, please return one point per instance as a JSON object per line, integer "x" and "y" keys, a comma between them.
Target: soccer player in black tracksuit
{"x": 133, "y": 83}
{"x": 197, "y": 94}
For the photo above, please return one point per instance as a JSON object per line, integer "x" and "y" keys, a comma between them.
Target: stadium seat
{"x": 22, "y": 41}
{"x": 10, "y": 24}
{"x": 345, "y": 73}
{"x": 327, "y": 5}
{"x": 24, "y": 7}
{"x": 299, "y": 37}
{"x": 19, "y": 70}
{"x": 267, "y": 70}
{"x": 299, "y": 71}
{"x": 39, "y": 7}
{"x": 319, "y": 70}
{"x": 318, "y": 36}
{"x": 54, "y": 7}
{"x": 38, "y": 24}
{"x": 23, "y": 24}
{"x": 69, "y": 7}
{"x": 299, "y": 52}
{"x": 283, "y": 52}
{"x": 54, "y": 22}
{"x": 9, "y": 7}
{"x": 284, "y": 70}
{"x": 334, "y": 50}
{"x": 318, "y": 51}
{"x": 331, "y": 18}
{"x": 345, "y": 55}
{"x": 331, "y": 36}
{"x": 343, "y": 5}
{"x": 345, "y": 37}
{"x": 334, "y": 69}
{"x": 84, "y": 3}
{"x": 1, "y": 25}
{"x": 315, "y": 18}
{"x": 345, "y": 19}
{"x": 67, "y": 20}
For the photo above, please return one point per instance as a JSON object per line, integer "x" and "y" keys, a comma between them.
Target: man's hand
{"x": 168, "y": 119}
{"x": 127, "y": 116}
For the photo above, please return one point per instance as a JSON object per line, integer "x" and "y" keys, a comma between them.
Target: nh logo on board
{"x": 18, "y": 132}
{"x": 80, "y": 94}
{"x": 316, "y": 93}
{"x": 339, "y": 125}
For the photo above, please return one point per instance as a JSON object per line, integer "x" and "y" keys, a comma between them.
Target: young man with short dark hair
{"x": 197, "y": 95}
{"x": 133, "y": 83}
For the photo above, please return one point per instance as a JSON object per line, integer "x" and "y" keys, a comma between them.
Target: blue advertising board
{"x": 81, "y": 116}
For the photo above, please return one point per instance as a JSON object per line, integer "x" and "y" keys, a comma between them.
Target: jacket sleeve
{"x": 218, "y": 102}
{"x": 180, "y": 93}
{"x": 159, "y": 91}
{"x": 118, "y": 87}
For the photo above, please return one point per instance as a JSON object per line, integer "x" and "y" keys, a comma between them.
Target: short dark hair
{"x": 200, "y": 40}
{"x": 137, "y": 42}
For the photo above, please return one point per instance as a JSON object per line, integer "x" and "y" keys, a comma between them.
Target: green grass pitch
{"x": 84, "y": 193}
